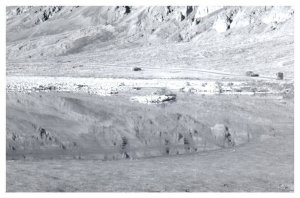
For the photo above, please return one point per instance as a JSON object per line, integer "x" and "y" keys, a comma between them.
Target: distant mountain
{"x": 59, "y": 30}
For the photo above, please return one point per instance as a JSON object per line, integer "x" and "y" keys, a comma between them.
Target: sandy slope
{"x": 263, "y": 164}
{"x": 253, "y": 168}
{"x": 209, "y": 59}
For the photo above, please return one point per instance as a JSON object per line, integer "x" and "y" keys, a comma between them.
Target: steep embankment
{"x": 62, "y": 125}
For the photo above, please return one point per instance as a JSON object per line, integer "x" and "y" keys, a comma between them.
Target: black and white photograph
{"x": 149, "y": 98}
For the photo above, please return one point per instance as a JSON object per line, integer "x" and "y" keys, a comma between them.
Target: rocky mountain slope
{"x": 34, "y": 32}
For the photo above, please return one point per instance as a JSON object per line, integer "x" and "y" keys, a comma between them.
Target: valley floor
{"x": 254, "y": 167}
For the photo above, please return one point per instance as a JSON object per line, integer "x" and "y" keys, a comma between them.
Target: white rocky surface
{"x": 153, "y": 99}
{"x": 112, "y": 86}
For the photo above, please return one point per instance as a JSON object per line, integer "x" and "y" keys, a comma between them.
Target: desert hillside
{"x": 169, "y": 98}
{"x": 169, "y": 42}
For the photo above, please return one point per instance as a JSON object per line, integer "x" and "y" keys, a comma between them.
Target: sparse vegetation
{"x": 279, "y": 76}
{"x": 136, "y": 69}
{"x": 251, "y": 74}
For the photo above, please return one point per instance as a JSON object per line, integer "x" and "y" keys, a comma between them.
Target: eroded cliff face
{"x": 53, "y": 125}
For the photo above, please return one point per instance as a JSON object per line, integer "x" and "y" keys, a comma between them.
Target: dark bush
{"x": 136, "y": 69}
